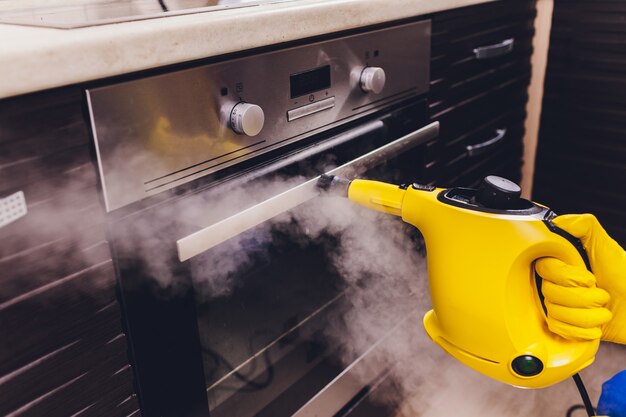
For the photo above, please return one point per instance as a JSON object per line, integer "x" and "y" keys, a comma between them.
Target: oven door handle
{"x": 211, "y": 236}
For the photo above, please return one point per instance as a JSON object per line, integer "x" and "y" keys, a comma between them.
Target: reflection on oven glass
{"x": 264, "y": 336}
{"x": 311, "y": 295}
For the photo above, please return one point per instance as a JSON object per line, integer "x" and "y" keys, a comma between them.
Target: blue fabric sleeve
{"x": 613, "y": 398}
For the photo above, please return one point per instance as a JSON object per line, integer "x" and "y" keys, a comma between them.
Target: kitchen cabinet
{"x": 62, "y": 347}
{"x": 480, "y": 102}
{"x": 582, "y": 144}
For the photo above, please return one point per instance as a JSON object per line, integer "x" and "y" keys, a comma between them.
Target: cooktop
{"x": 69, "y": 14}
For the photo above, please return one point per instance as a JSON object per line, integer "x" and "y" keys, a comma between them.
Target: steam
{"x": 61, "y": 236}
{"x": 380, "y": 260}
{"x": 382, "y": 266}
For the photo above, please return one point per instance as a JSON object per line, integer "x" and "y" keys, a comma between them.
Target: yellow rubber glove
{"x": 582, "y": 305}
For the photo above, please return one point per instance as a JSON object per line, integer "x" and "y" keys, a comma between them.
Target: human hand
{"x": 613, "y": 399}
{"x": 581, "y": 304}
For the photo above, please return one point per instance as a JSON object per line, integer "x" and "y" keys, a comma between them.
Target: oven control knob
{"x": 247, "y": 119}
{"x": 373, "y": 80}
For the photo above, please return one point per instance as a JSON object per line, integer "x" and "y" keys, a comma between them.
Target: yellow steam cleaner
{"x": 481, "y": 245}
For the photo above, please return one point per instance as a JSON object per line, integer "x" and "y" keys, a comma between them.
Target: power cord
{"x": 576, "y": 407}
{"x": 585, "y": 397}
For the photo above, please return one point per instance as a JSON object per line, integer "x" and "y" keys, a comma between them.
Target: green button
{"x": 527, "y": 365}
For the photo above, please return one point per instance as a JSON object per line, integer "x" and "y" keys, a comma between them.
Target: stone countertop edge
{"x": 34, "y": 59}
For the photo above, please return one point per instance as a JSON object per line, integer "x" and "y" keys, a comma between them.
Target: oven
{"x": 245, "y": 291}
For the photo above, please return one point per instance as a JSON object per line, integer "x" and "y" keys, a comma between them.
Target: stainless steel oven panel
{"x": 159, "y": 132}
{"x": 225, "y": 229}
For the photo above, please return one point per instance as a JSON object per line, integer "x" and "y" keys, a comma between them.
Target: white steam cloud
{"x": 380, "y": 261}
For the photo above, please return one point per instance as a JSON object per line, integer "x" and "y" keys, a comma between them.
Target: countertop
{"x": 34, "y": 58}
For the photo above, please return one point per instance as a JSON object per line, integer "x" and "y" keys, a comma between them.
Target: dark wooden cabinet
{"x": 582, "y": 140}
{"x": 62, "y": 348}
{"x": 480, "y": 102}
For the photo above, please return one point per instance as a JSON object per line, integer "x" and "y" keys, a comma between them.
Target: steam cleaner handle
{"x": 568, "y": 292}
{"x": 571, "y": 239}
{"x": 601, "y": 296}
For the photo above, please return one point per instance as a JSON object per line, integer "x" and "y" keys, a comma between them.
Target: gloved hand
{"x": 613, "y": 399}
{"x": 582, "y": 305}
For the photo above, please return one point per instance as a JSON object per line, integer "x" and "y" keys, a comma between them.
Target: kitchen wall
{"x": 582, "y": 138}
{"x": 539, "y": 60}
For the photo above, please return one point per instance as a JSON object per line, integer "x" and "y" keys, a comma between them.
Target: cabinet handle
{"x": 481, "y": 148}
{"x": 497, "y": 49}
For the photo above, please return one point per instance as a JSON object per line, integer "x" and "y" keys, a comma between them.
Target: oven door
{"x": 248, "y": 295}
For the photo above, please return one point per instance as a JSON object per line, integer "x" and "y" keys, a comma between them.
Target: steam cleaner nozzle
{"x": 334, "y": 185}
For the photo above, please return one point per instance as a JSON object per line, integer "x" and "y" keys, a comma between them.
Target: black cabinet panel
{"x": 62, "y": 348}
{"x": 581, "y": 154}
{"x": 480, "y": 101}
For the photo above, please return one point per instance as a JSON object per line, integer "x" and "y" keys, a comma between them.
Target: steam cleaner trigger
{"x": 481, "y": 245}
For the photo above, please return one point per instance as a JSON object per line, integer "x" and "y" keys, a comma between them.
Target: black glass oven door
{"x": 241, "y": 327}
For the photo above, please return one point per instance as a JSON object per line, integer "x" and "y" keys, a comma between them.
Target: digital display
{"x": 307, "y": 82}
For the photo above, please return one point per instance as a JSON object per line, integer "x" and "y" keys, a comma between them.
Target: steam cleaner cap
{"x": 498, "y": 193}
